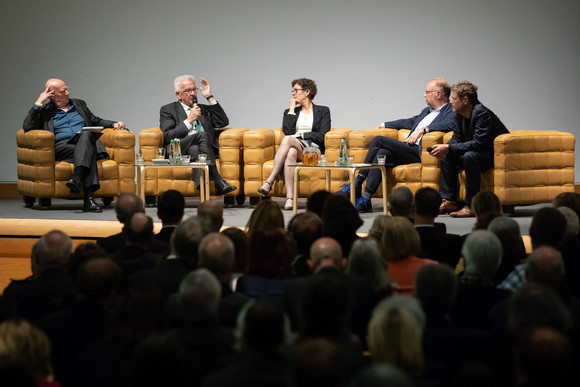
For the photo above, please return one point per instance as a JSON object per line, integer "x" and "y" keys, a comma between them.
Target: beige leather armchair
{"x": 41, "y": 177}
{"x": 229, "y": 164}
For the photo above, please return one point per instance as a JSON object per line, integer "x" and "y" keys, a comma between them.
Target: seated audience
{"x": 267, "y": 214}
{"x": 170, "y": 210}
{"x": 366, "y": 261}
{"x": 376, "y": 230}
{"x": 317, "y": 362}
{"x": 214, "y": 212}
{"x": 378, "y": 375}
{"x": 304, "y": 228}
{"x": 341, "y": 220}
{"x": 400, "y": 242}
{"x": 269, "y": 264}
{"x": 513, "y": 248}
{"x": 83, "y": 253}
{"x": 401, "y": 203}
{"x": 315, "y": 202}
{"x": 240, "y": 241}
{"x": 571, "y": 250}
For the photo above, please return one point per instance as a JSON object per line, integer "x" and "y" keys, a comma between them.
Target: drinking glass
{"x": 381, "y": 159}
{"x": 160, "y": 153}
{"x": 202, "y": 158}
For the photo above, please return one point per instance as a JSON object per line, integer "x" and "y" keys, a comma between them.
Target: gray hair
{"x": 572, "y": 221}
{"x": 407, "y": 302}
{"x": 199, "y": 295}
{"x": 53, "y": 250}
{"x": 503, "y": 223}
{"x": 187, "y": 236}
{"x": 217, "y": 253}
{"x": 365, "y": 260}
{"x": 482, "y": 252}
{"x": 182, "y": 78}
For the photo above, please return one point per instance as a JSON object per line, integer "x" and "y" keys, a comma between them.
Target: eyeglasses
{"x": 296, "y": 90}
{"x": 430, "y": 91}
{"x": 189, "y": 91}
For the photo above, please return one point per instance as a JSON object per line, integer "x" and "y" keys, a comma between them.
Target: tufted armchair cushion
{"x": 41, "y": 177}
{"x": 530, "y": 166}
{"x": 229, "y": 164}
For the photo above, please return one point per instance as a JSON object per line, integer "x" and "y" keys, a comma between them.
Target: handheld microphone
{"x": 429, "y": 149}
{"x": 194, "y": 101}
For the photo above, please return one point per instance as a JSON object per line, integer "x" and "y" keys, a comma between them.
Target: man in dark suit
{"x": 170, "y": 209}
{"x": 55, "y": 112}
{"x": 470, "y": 148}
{"x": 436, "y": 244}
{"x": 195, "y": 125}
{"x": 437, "y": 116}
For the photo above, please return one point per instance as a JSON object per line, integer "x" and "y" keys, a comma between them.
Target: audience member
{"x": 436, "y": 244}
{"x": 240, "y": 241}
{"x": 341, "y": 220}
{"x": 485, "y": 202}
{"x": 269, "y": 264}
{"x": 366, "y": 261}
{"x": 317, "y": 362}
{"x": 513, "y": 248}
{"x": 83, "y": 253}
{"x": 568, "y": 199}
{"x": 400, "y": 242}
{"x": 571, "y": 250}
{"x": 263, "y": 331}
{"x": 267, "y": 214}
{"x": 305, "y": 228}
{"x": 315, "y": 202}
{"x": 381, "y": 375}
{"x": 477, "y": 293}
{"x": 214, "y": 212}
{"x": 216, "y": 253}
{"x": 53, "y": 288}
{"x": 170, "y": 210}
{"x": 25, "y": 343}
{"x": 376, "y": 230}
{"x": 401, "y": 203}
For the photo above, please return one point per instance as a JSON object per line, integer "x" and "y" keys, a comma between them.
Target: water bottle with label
{"x": 343, "y": 152}
{"x": 177, "y": 151}
{"x": 172, "y": 152}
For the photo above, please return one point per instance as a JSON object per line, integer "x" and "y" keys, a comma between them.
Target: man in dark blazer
{"x": 437, "y": 116}
{"x": 55, "y": 112}
{"x": 195, "y": 125}
{"x": 470, "y": 148}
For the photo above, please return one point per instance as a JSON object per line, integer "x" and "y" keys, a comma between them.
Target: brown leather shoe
{"x": 448, "y": 206}
{"x": 465, "y": 212}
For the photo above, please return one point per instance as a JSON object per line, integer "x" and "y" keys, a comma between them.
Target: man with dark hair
{"x": 437, "y": 116}
{"x": 216, "y": 253}
{"x": 436, "y": 244}
{"x": 305, "y": 229}
{"x": 170, "y": 209}
{"x": 51, "y": 288}
{"x": 263, "y": 333}
{"x": 401, "y": 203}
{"x": 470, "y": 148}
{"x": 213, "y": 212}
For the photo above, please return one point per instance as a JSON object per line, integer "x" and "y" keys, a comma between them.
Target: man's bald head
{"x": 53, "y": 250}
{"x": 59, "y": 92}
{"x": 325, "y": 251}
{"x": 127, "y": 204}
{"x": 213, "y": 211}
{"x": 138, "y": 228}
{"x": 545, "y": 266}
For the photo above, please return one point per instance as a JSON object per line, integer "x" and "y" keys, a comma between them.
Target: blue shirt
{"x": 67, "y": 124}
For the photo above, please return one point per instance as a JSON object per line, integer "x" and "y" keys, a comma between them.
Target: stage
{"x": 20, "y": 227}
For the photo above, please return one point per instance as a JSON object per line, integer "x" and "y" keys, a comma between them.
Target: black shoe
{"x": 74, "y": 184}
{"x": 91, "y": 206}
{"x": 224, "y": 188}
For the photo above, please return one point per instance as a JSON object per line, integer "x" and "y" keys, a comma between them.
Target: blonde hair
{"x": 399, "y": 239}
{"x": 25, "y": 342}
{"x": 395, "y": 338}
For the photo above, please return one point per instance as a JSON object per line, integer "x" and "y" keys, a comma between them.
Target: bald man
{"x": 65, "y": 117}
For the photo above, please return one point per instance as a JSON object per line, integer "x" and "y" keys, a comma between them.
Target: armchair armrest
{"x": 149, "y": 140}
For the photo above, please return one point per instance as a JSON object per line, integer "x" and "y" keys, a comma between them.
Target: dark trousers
{"x": 396, "y": 152}
{"x": 83, "y": 154}
{"x": 195, "y": 145}
{"x": 474, "y": 163}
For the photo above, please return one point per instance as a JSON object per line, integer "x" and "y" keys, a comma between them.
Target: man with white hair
{"x": 195, "y": 125}
{"x": 477, "y": 294}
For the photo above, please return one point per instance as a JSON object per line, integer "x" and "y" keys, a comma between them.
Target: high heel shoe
{"x": 263, "y": 191}
{"x": 289, "y": 207}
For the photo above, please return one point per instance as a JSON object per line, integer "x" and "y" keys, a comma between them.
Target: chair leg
{"x": 29, "y": 201}
{"x": 507, "y": 209}
{"x": 107, "y": 200}
{"x": 45, "y": 202}
{"x": 254, "y": 200}
{"x": 150, "y": 201}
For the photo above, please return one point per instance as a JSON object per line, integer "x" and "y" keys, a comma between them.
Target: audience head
{"x": 401, "y": 202}
{"x": 98, "y": 278}
{"x": 267, "y": 214}
{"x": 376, "y": 231}
{"x": 543, "y": 356}
{"x": 465, "y": 89}
{"x": 307, "y": 86}
{"x": 216, "y": 253}
{"x": 483, "y": 220}
{"x": 513, "y": 249}
{"x": 138, "y": 229}
{"x": 394, "y": 337}
{"x": 187, "y": 236}
{"x": 572, "y": 221}
{"x": 27, "y": 344}
{"x": 568, "y": 199}
{"x": 436, "y": 288}
{"x": 537, "y": 305}
{"x": 199, "y": 295}
{"x": 263, "y": 326}
{"x": 324, "y": 308}
{"x": 545, "y": 266}
{"x": 482, "y": 252}
{"x": 53, "y": 251}
{"x": 240, "y": 240}
{"x": 270, "y": 253}
{"x": 366, "y": 260}
{"x": 214, "y": 212}
{"x": 316, "y": 362}
{"x": 83, "y": 253}
{"x": 381, "y": 375}
{"x": 400, "y": 239}
{"x": 171, "y": 207}
{"x": 427, "y": 202}
{"x": 305, "y": 228}
{"x": 340, "y": 217}
{"x": 409, "y": 303}
{"x": 324, "y": 252}
{"x": 127, "y": 204}
{"x": 485, "y": 202}
{"x": 315, "y": 202}
{"x": 548, "y": 228}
